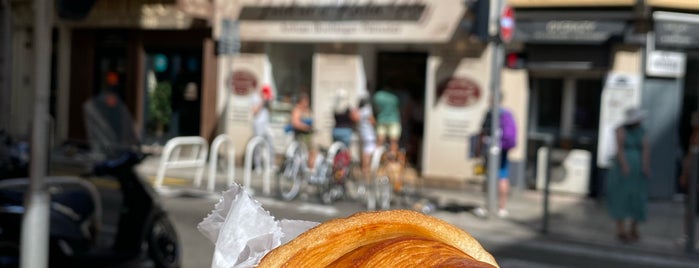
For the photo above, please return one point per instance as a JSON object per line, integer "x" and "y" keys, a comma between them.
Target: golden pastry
{"x": 397, "y": 238}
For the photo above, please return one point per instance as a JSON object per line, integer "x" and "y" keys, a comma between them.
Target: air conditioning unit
{"x": 570, "y": 170}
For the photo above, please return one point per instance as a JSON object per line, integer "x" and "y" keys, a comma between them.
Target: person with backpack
{"x": 508, "y": 140}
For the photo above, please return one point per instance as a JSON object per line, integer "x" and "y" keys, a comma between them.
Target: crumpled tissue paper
{"x": 243, "y": 232}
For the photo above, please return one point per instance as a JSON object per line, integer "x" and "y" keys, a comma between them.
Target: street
{"x": 511, "y": 248}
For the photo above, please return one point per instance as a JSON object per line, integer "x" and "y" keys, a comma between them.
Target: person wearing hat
{"x": 627, "y": 189}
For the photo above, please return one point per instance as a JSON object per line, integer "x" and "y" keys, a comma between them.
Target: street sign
{"x": 507, "y": 24}
{"x": 230, "y": 37}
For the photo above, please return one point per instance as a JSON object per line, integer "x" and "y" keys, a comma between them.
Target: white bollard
{"x": 219, "y": 141}
{"x": 247, "y": 169}
{"x": 171, "y": 158}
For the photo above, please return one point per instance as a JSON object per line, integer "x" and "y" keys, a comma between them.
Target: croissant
{"x": 397, "y": 238}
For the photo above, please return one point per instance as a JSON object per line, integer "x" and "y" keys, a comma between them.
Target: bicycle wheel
{"x": 288, "y": 179}
{"x": 326, "y": 191}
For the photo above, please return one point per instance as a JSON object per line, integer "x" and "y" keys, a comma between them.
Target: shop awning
{"x": 570, "y": 3}
{"x": 342, "y": 21}
{"x": 570, "y": 27}
{"x": 676, "y": 30}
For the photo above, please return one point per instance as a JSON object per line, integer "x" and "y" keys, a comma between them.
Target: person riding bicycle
{"x": 302, "y": 125}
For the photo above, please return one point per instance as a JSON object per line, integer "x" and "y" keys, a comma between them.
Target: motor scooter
{"x": 144, "y": 237}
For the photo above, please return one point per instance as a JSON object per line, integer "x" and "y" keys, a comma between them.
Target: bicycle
{"x": 331, "y": 176}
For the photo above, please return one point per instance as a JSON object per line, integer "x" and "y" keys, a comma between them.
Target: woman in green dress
{"x": 627, "y": 189}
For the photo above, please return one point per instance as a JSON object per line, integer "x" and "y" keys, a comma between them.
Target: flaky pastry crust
{"x": 397, "y": 238}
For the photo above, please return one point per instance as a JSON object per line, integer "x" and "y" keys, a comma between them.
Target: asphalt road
{"x": 509, "y": 251}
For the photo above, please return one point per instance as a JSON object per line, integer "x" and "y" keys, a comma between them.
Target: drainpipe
{"x": 35, "y": 224}
{"x": 5, "y": 63}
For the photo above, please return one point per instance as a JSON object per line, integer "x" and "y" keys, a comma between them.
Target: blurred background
{"x": 568, "y": 71}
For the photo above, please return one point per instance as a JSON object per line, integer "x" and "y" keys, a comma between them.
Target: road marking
{"x": 319, "y": 209}
{"x": 171, "y": 181}
{"x": 105, "y": 183}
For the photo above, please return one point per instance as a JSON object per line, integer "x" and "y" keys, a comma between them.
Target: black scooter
{"x": 144, "y": 237}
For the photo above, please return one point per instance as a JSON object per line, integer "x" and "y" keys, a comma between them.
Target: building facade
{"x": 588, "y": 61}
{"x": 573, "y": 67}
{"x": 428, "y": 51}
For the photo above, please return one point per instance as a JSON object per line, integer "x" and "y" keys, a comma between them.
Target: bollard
{"x": 213, "y": 160}
{"x": 547, "y": 184}
{"x": 548, "y": 143}
{"x": 249, "y": 150}
{"x": 692, "y": 205}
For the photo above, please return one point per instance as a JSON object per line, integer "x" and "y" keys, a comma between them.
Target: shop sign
{"x": 344, "y": 21}
{"x": 242, "y": 82}
{"x": 677, "y": 30}
{"x": 568, "y": 31}
{"x": 666, "y": 64}
{"x": 459, "y": 92}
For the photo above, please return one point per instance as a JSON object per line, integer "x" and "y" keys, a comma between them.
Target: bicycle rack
{"x": 213, "y": 160}
{"x": 195, "y": 160}
{"x": 249, "y": 150}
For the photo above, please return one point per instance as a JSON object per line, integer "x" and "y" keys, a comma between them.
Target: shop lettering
{"x": 409, "y": 12}
{"x": 571, "y": 26}
{"x": 676, "y": 39}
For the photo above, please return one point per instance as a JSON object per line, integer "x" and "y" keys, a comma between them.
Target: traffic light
{"x": 515, "y": 60}
{"x": 74, "y": 9}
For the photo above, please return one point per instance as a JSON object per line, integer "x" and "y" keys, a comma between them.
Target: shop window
{"x": 588, "y": 94}
{"x": 550, "y": 93}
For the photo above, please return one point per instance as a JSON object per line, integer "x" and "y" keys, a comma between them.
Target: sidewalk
{"x": 573, "y": 219}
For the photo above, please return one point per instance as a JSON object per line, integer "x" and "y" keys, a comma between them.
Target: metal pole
{"x": 35, "y": 225}
{"x": 5, "y": 63}
{"x": 692, "y": 206}
{"x": 547, "y": 184}
{"x": 494, "y": 151}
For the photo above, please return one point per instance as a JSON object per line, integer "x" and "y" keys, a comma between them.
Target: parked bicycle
{"x": 332, "y": 177}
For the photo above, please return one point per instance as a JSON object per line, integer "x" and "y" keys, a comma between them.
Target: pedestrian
{"x": 627, "y": 189}
{"x": 345, "y": 117}
{"x": 302, "y": 125}
{"x": 388, "y": 119}
{"x": 367, "y": 135}
{"x": 508, "y": 140}
{"x": 260, "y": 109}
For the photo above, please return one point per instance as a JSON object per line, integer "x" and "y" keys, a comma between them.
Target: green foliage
{"x": 159, "y": 107}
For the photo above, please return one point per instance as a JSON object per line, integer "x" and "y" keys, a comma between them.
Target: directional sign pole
{"x": 35, "y": 224}
{"x": 494, "y": 145}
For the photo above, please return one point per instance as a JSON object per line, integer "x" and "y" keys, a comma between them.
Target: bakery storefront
{"x": 584, "y": 71}
{"x": 361, "y": 46}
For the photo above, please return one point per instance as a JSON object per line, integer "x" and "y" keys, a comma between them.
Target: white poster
{"x": 621, "y": 92}
{"x": 239, "y": 78}
{"x": 457, "y": 100}
{"x": 332, "y": 73}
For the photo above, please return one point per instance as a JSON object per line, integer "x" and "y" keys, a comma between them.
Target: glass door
{"x": 172, "y": 96}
